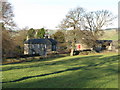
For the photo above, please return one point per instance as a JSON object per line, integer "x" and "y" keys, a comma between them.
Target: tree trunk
{"x": 71, "y": 53}
{"x": 72, "y": 50}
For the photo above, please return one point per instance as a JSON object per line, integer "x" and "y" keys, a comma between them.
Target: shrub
{"x": 86, "y": 52}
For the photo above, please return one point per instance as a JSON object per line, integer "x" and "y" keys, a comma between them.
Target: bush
{"x": 76, "y": 53}
{"x": 86, "y": 52}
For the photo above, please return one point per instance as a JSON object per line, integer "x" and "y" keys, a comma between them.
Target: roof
{"x": 52, "y": 41}
{"x": 40, "y": 41}
{"x": 103, "y": 41}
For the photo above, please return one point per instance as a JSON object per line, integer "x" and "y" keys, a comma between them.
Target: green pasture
{"x": 82, "y": 71}
{"x": 110, "y": 35}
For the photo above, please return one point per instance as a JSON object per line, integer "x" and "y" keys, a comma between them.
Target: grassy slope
{"x": 92, "y": 71}
{"x": 110, "y": 35}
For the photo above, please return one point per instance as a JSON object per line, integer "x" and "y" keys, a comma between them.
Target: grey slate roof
{"x": 103, "y": 41}
{"x": 52, "y": 41}
{"x": 40, "y": 41}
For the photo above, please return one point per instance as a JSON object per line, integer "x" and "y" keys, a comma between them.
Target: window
{"x": 53, "y": 47}
{"x": 32, "y": 45}
{"x": 45, "y": 45}
{"x": 38, "y": 45}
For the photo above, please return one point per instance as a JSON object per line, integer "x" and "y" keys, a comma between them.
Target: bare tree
{"x": 87, "y": 25}
{"x": 7, "y": 15}
{"x": 6, "y": 21}
{"x": 7, "y": 43}
{"x": 74, "y": 20}
{"x": 95, "y": 21}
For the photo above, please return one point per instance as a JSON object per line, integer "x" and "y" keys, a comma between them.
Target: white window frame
{"x": 38, "y": 45}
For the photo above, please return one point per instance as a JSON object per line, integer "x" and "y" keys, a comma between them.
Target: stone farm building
{"x": 39, "y": 46}
{"x": 101, "y": 45}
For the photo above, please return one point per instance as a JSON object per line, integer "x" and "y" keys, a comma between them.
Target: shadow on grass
{"x": 75, "y": 59}
{"x": 88, "y": 67}
{"x": 66, "y": 61}
{"x": 79, "y": 79}
{"x": 88, "y": 60}
{"x": 35, "y": 59}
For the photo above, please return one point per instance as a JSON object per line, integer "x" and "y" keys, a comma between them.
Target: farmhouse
{"x": 39, "y": 46}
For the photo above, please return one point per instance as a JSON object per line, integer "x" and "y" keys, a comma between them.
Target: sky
{"x": 49, "y": 13}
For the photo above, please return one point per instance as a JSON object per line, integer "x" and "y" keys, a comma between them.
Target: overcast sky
{"x": 49, "y": 13}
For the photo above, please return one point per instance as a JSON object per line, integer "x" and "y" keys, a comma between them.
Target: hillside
{"x": 91, "y": 71}
{"x": 110, "y": 35}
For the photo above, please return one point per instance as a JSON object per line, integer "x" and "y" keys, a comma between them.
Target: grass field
{"x": 86, "y": 71}
{"x": 110, "y": 35}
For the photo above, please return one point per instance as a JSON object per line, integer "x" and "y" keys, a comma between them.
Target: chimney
{"x": 36, "y": 31}
{"x": 27, "y": 38}
{"x": 46, "y": 36}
